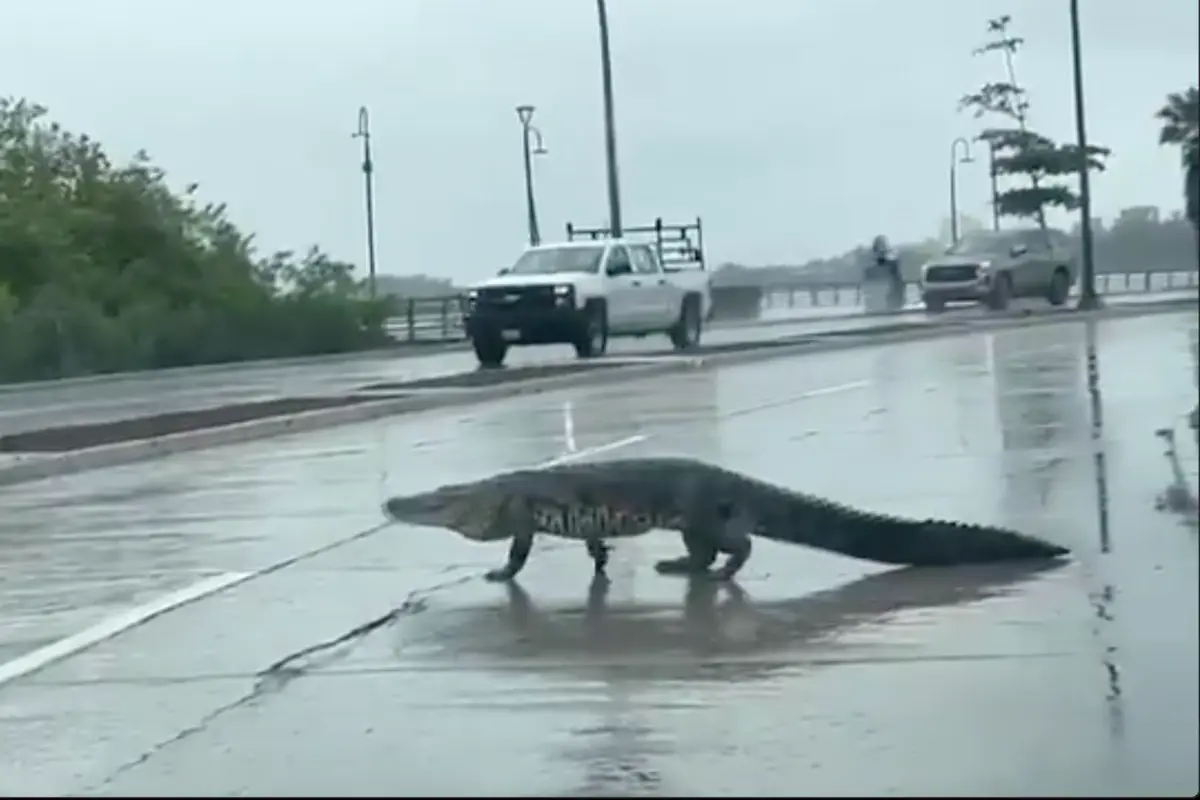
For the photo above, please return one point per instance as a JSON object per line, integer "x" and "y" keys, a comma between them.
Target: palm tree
{"x": 1180, "y": 118}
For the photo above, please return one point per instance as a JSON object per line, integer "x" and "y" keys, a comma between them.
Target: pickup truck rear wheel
{"x": 685, "y": 333}
{"x": 490, "y": 349}
{"x": 593, "y": 334}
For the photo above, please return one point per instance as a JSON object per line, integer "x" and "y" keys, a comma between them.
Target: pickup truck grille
{"x": 518, "y": 298}
{"x": 952, "y": 273}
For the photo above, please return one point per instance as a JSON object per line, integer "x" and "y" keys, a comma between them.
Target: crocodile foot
{"x": 687, "y": 567}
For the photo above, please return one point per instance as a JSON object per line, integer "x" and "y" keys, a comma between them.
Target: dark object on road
{"x": 717, "y": 510}
{"x": 1178, "y": 497}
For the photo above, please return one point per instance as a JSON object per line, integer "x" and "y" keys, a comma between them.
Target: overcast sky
{"x": 795, "y": 128}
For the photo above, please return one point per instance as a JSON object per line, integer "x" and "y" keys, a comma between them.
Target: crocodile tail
{"x": 827, "y": 525}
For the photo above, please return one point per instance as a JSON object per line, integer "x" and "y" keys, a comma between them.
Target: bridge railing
{"x": 439, "y": 319}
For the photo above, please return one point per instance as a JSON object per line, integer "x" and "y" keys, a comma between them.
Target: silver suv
{"x": 993, "y": 267}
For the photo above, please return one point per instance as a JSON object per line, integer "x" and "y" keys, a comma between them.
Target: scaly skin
{"x": 716, "y": 510}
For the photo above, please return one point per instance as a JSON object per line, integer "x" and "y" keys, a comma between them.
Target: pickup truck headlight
{"x": 564, "y": 295}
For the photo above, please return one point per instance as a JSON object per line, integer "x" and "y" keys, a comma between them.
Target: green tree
{"x": 1018, "y": 151}
{"x": 1180, "y": 118}
{"x": 103, "y": 268}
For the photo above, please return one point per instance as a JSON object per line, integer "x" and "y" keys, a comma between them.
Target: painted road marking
{"x": 106, "y": 629}
{"x": 828, "y": 390}
{"x": 139, "y": 615}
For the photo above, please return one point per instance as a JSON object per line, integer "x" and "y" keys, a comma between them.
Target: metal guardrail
{"x": 439, "y": 319}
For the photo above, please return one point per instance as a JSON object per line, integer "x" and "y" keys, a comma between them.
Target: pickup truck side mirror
{"x": 617, "y": 268}
{"x": 1018, "y": 250}
{"x": 504, "y": 271}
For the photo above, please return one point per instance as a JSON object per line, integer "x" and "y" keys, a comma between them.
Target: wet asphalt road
{"x": 814, "y": 674}
{"x": 125, "y": 396}
{"x": 34, "y": 407}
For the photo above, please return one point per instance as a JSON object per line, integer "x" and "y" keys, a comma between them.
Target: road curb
{"x": 40, "y": 466}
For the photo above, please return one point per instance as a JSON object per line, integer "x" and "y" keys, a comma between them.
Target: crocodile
{"x": 716, "y": 510}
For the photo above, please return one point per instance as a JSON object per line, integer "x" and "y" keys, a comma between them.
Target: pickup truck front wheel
{"x": 490, "y": 349}
{"x": 685, "y": 333}
{"x": 592, "y": 339}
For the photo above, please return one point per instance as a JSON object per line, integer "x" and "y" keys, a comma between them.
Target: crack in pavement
{"x": 278, "y": 675}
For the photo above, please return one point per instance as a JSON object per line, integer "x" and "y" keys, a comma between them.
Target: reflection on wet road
{"x": 814, "y": 674}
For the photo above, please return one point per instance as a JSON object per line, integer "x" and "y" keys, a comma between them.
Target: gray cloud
{"x": 795, "y": 129}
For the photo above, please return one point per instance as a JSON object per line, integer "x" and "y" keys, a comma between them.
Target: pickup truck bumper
{"x": 527, "y": 326}
{"x": 958, "y": 291}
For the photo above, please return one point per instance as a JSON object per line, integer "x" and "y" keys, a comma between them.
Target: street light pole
{"x": 955, "y": 159}
{"x": 368, "y": 168}
{"x": 1088, "y": 299}
{"x": 610, "y": 127}
{"x": 525, "y": 114}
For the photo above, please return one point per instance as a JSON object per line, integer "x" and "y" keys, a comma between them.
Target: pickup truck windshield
{"x": 558, "y": 259}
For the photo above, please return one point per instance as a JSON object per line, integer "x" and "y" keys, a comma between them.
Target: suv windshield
{"x": 981, "y": 242}
{"x": 558, "y": 259}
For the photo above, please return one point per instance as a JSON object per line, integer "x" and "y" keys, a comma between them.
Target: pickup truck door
{"x": 621, "y": 290}
{"x": 1033, "y": 275}
{"x": 659, "y": 298}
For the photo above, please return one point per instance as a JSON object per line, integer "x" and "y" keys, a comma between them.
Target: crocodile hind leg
{"x": 706, "y": 534}
{"x": 599, "y": 551}
{"x": 700, "y": 556}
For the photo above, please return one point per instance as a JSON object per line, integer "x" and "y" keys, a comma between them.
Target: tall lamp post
{"x": 368, "y": 168}
{"x": 530, "y": 135}
{"x": 955, "y": 160}
{"x": 610, "y": 127}
{"x": 1088, "y": 299}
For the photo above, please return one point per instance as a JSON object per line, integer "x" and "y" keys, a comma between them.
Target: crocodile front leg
{"x": 518, "y": 554}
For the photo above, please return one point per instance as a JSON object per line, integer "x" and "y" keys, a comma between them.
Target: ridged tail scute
{"x": 832, "y": 526}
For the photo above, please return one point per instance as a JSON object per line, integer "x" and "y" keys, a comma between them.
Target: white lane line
{"x": 569, "y": 427}
{"x": 138, "y": 615}
{"x": 116, "y": 624}
{"x": 587, "y": 452}
{"x": 828, "y": 390}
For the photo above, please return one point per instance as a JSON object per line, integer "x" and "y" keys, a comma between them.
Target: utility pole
{"x": 1088, "y": 299}
{"x": 610, "y": 126}
{"x": 368, "y": 168}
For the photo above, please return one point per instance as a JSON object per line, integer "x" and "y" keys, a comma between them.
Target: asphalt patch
{"x": 66, "y": 438}
{"x": 494, "y": 376}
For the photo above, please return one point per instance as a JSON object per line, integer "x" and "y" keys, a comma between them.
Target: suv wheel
{"x": 1060, "y": 287}
{"x": 1001, "y": 292}
{"x": 685, "y": 333}
{"x": 593, "y": 337}
{"x": 934, "y": 304}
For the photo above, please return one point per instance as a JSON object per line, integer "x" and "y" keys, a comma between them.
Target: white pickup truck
{"x": 582, "y": 293}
